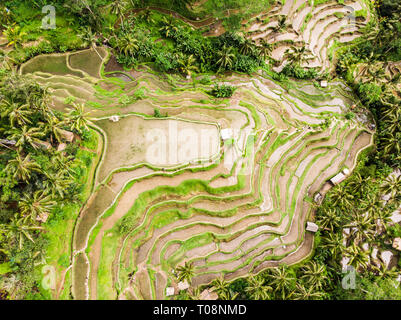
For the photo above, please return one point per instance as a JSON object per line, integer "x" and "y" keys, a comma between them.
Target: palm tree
{"x": 90, "y": 38}
{"x": 256, "y": 288}
{"x": 265, "y": 49}
{"x": 225, "y": 57}
{"x": 314, "y": 274}
{"x": 169, "y": 26}
{"x": 187, "y": 65}
{"x": 282, "y": 280}
{"x": 334, "y": 243}
{"x": 281, "y": 24}
{"x": 228, "y": 295}
{"x": 118, "y": 7}
{"x": 53, "y": 126}
{"x": 310, "y": 293}
{"x": 329, "y": 220}
{"x": 78, "y": 118}
{"x": 19, "y": 230}
{"x": 392, "y": 144}
{"x": 195, "y": 294}
{"x": 36, "y": 205}
{"x": 383, "y": 217}
{"x": 392, "y": 185}
{"x": 21, "y": 168}
{"x": 393, "y": 119}
{"x": 186, "y": 272}
{"x": 359, "y": 184}
{"x": 385, "y": 272}
{"x": 247, "y": 46}
{"x": 371, "y": 32}
{"x": 220, "y": 285}
{"x": 363, "y": 224}
{"x": 358, "y": 258}
{"x": 376, "y": 73}
{"x": 17, "y": 114}
{"x": 371, "y": 204}
{"x": 341, "y": 196}
{"x": 25, "y": 135}
{"x": 128, "y": 44}
{"x": 63, "y": 163}
{"x": 296, "y": 55}
{"x": 57, "y": 183}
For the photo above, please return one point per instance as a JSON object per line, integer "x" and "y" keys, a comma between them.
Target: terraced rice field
{"x": 320, "y": 26}
{"x": 231, "y": 207}
{"x": 317, "y": 25}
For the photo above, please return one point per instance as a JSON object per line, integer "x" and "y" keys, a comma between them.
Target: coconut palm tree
{"x": 363, "y": 226}
{"x": 376, "y": 73}
{"x": 90, "y": 39}
{"x": 247, "y": 46}
{"x": 118, "y": 7}
{"x": 128, "y": 44}
{"x": 20, "y": 230}
{"x": 186, "y": 272}
{"x": 17, "y": 114}
{"x": 392, "y": 185}
{"x": 256, "y": 288}
{"x": 330, "y": 219}
{"x": 341, "y": 196}
{"x": 359, "y": 184}
{"x": 383, "y": 217}
{"x": 282, "y": 280}
{"x": 169, "y": 26}
{"x": 358, "y": 257}
{"x": 384, "y": 272}
{"x": 265, "y": 49}
{"x": 54, "y": 127}
{"x": 314, "y": 274}
{"x": 187, "y": 65}
{"x": 334, "y": 243}
{"x": 25, "y": 136}
{"x": 63, "y": 163}
{"x": 391, "y": 144}
{"x": 228, "y": 295}
{"x": 21, "y": 168}
{"x": 304, "y": 292}
{"x": 220, "y": 285}
{"x": 281, "y": 24}
{"x": 77, "y": 118}
{"x": 371, "y": 204}
{"x": 296, "y": 55}
{"x": 392, "y": 119}
{"x": 225, "y": 57}
{"x": 36, "y": 205}
{"x": 57, "y": 183}
{"x": 195, "y": 294}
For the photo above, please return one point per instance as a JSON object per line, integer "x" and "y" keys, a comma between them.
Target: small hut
{"x": 312, "y": 227}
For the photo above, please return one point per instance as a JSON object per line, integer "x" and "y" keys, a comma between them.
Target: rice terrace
{"x": 199, "y": 149}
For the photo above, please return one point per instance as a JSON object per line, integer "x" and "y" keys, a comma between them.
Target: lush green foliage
{"x": 36, "y": 181}
{"x": 223, "y": 91}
